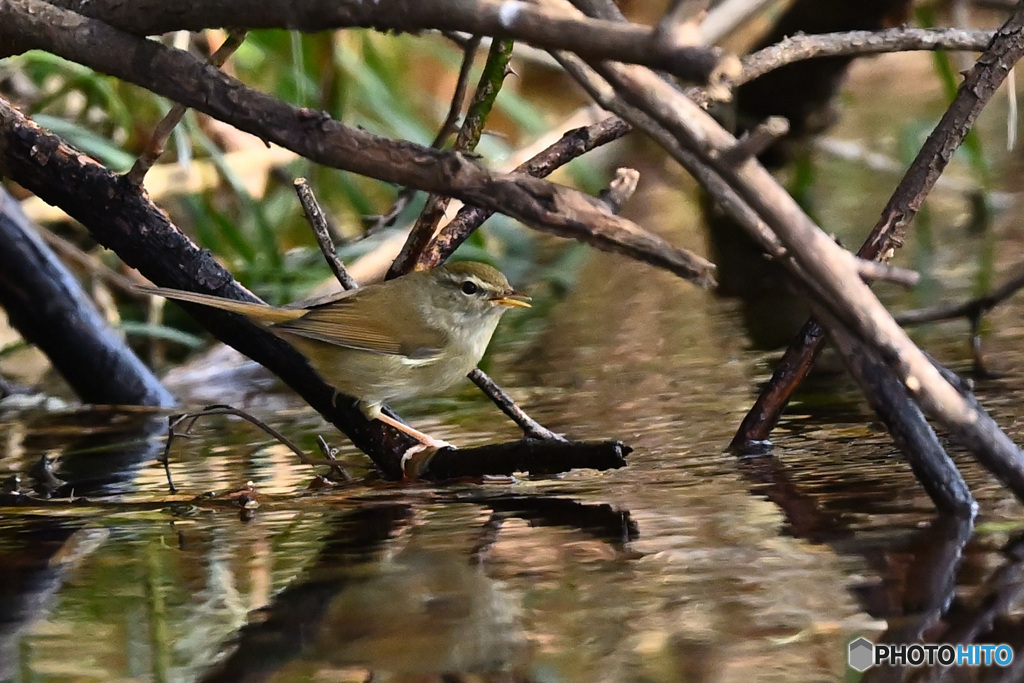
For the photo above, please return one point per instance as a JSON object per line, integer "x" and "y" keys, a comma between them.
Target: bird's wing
{"x": 363, "y": 327}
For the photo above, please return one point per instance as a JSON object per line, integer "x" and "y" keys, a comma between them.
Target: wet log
{"x": 49, "y": 308}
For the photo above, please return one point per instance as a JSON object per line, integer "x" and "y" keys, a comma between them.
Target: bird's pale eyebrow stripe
{"x": 459, "y": 279}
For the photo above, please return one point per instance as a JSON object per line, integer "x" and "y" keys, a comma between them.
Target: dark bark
{"x": 528, "y": 455}
{"x": 524, "y": 22}
{"x": 49, "y": 308}
{"x": 910, "y": 431}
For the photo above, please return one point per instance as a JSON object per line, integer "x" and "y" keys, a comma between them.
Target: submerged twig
{"x": 174, "y": 421}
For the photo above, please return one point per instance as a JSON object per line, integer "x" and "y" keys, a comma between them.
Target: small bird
{"x": 410, "y": 336}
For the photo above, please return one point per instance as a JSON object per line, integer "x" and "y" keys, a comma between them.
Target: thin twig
{"x": 873, "y": 271}
{"x": 974, "y": 310}
{"x": 175, "y": 420}
{"x": 459, "y": 96}
{"x": 318, "y": 222}
{"x": 166, "y": 459}
{"x": 531, "y": 428}
{"x": 968, "y": 309}
{"x": 163, "y": 130}
{"x": 847, "y": 44}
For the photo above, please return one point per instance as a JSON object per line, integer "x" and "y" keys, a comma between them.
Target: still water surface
{"x": 686, "y": 565}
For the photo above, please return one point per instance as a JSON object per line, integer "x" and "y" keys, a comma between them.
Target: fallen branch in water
{"x": 120, "y": 216}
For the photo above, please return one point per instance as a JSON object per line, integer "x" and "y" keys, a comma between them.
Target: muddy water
{"x": 688, "y": 565}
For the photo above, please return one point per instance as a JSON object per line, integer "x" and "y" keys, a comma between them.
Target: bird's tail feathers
{"x": 259, "y": 312}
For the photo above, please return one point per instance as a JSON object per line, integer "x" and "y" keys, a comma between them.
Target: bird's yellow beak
{"x": 513, "y": 299}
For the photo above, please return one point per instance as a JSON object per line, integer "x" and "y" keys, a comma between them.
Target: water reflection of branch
{"x": 601, "y": 520}
{"x": 918, "y": 585}
{"x": 805, "y": 516}
{"x": 365, "y": 602}
{"x": 527, "y": 455}
{"x": 38, "y": 556}
{"x": 282, "y": 631}
{"x": 110, "y": 447}
{"x": 995, "y": 598}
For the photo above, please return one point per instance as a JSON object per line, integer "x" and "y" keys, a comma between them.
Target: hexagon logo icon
{"x": 862, "y": 654}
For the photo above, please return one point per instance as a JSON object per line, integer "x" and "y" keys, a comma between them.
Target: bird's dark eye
{"x": 469, "y": 287}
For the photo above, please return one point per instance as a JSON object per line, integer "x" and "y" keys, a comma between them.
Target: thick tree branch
{"x": 26, "y": 24}
{"x": 45, "y": 303}
{"x": 521, "y": 21}
{"x": 979, "y": 84}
